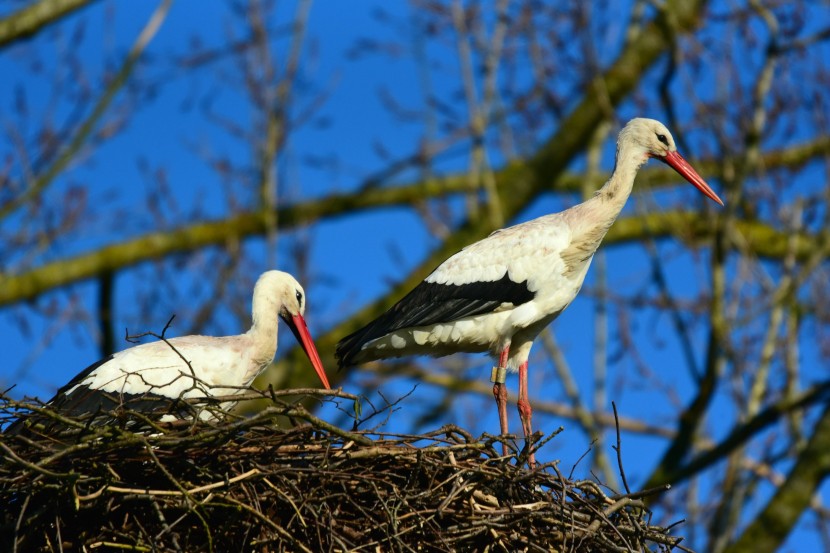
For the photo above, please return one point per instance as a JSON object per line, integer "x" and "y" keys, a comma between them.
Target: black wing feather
{"x": 96, "y": 408}
{"x": 78, "y": 378}
{"x": 89, "y": 401}
{"x": 430, "y": 303}
{"x": 85, "y": 401}
{"x": 60, "y": 396}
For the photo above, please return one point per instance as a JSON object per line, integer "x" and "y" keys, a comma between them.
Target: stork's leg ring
{"x": 498, "y": 376}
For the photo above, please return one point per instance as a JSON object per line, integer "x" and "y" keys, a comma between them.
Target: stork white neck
{"x": 265, "y": 309}
{"x": 591, "y": 219}
{"x": 629, "y": 158}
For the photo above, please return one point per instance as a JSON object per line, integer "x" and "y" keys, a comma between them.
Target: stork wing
{"x": 75, "y": 399}
{"x": 430, "y": 303}
{"x": 491, "y": 274}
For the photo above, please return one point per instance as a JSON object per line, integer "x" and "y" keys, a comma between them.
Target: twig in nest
{"x": 618, "y": 449}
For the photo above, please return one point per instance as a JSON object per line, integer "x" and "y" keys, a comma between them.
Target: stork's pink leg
{"x": 500, "y": 393}
{"x": 525, "y": 411}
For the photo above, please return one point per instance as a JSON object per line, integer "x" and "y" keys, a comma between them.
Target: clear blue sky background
{"x": 353, "y": 259}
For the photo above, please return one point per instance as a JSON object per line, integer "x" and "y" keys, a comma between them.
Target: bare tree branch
{"x": 769, "y": 529}
{"x": 28, "y": 21}
{"x": 85, "y": 130}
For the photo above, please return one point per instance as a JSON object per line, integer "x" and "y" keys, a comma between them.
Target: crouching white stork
{"x": 497, "y": 294}
{"x": 151, "y": 376}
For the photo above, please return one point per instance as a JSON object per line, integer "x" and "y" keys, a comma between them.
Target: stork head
{"x": 281, "y": 291}
{"x": 649, "y": 138}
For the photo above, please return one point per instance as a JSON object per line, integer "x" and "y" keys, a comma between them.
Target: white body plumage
{"x": 529, "y": 255}
{"x": 148, "y": 376}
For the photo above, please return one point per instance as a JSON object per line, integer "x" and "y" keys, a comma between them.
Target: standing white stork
{"x": 148, "y": 377}
{"x": 497, "y": 294}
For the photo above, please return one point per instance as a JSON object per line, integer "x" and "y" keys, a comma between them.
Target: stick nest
{"x": 250, "y": 485}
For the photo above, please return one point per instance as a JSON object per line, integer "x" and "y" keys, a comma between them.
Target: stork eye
{"x": 299, "y": 298}
{"x": 662, "y": 138}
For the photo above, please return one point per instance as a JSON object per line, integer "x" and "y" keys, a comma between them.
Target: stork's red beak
{"x": 676, "y": 162}
{"x": 297, "y": 325}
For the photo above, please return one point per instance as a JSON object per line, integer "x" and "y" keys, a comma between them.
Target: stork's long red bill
{"x": 676, "y": 162}
{"x": 297, "y": 325}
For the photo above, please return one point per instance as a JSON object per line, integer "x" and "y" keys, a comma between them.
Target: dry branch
{"x": 28, "y": 21}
